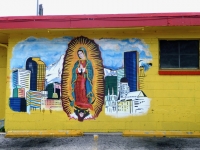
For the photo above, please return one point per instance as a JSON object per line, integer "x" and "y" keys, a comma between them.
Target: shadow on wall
{"x": 2, "y": 129}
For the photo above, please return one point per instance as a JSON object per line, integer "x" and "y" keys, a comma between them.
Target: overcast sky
{"x": 70, "y": 7}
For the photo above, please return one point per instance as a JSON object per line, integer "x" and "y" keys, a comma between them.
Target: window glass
{"x": 168, "y": 47}
{"x": 179, "y": 54}
{"x": 189, "y": 61}
{"x": 169, "y": 61}
{"x": 189, "y": 47}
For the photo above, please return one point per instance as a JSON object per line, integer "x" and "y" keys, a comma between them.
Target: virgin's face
{"x": 81, "y": 55}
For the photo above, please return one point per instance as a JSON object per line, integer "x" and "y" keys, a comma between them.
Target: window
{"x": 179, "y": 56}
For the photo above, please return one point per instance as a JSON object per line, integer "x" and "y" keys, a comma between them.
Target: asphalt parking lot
{"x": 104, "y": 142}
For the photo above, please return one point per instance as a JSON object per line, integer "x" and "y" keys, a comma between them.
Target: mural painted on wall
{"x": 80, "y": 76}
{"x": 82, "y": 79}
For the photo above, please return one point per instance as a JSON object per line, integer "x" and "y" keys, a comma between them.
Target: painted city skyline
{"x": 112, "y": 51}
{"x": 36, "y": 76}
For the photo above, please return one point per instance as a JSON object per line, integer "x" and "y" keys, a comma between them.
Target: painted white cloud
{"x": 49, "y": 51}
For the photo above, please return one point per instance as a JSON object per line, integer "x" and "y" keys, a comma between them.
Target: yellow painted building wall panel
{"x": 3, "y": 62}
{"x": 174, "y": 104}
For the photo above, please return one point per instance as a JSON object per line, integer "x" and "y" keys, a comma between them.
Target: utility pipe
{"x": 4, "y": 45}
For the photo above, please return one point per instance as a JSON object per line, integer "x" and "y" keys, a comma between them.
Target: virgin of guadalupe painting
{"x": 82, "y": 80}
{"x": 82, "y": 76}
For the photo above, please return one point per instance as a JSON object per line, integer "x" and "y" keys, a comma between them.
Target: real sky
{"x": 70, "y": 7}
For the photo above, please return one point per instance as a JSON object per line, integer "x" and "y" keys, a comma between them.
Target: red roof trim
{"x": 179, "y": 72}
{"x": 101, "y": 21}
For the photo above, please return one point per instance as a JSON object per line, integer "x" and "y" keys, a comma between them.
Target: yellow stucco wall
{"x": 175, "y": 100}
{"x": 3, "y": 62}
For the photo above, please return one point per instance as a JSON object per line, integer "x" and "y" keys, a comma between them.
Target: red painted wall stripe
{"x": 179, "y": 72}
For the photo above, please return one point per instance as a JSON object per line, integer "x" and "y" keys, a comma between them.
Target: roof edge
{"x": 100, "y": 21}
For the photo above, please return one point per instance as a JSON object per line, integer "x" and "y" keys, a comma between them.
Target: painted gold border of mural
{"x": 93, "y": 54}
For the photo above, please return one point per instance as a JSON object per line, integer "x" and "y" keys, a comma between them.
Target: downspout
{"x": 4, "y": 45}
{"x": 2, "y": 122}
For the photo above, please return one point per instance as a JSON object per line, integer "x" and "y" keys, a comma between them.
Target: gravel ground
{"x": 104, "y": 142}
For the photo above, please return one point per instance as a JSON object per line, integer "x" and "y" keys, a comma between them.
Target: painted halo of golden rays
{"x": 94, "y": 55}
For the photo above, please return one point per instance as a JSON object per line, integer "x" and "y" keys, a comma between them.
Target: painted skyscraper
{"x": 120, "y": 74}
{"x": 43, "y": 99}
{"x": 38, "y": 73}
{"x": 21, "y": 77}
{"x": 19, "y": 92}
{"x": 111, "y": 85}
{"x": 54, "y": 90}
{"x": 111, "y": 102}
{"x": 33, "y": 100}
{"x": 131, "y": 69}
{"x": 124, "y": 88}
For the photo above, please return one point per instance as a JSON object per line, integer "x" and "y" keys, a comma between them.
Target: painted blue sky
{"x": 50, "y": 51}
